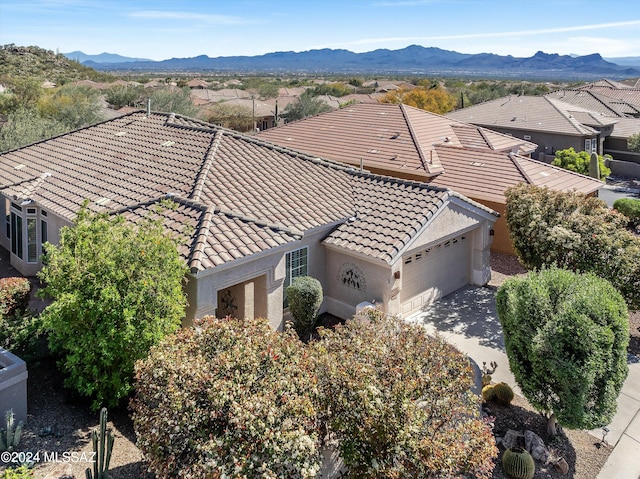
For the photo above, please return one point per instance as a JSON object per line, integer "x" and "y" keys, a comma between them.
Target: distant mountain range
{"x": 412, "y": 60}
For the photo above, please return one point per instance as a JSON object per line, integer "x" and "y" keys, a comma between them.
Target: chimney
{"x": 148, "y": 107}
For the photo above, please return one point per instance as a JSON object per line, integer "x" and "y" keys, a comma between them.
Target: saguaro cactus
{"x": 594, "y": 166}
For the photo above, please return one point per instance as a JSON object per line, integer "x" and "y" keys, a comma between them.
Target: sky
{"x": 162, "y": 29}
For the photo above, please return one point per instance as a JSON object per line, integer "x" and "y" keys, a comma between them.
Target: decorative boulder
{"x": 535, "y": 445}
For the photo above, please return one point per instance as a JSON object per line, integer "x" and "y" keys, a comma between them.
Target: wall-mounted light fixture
{"x": 396, "y": 275}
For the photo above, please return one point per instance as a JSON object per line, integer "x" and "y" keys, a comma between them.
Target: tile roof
{"x": 596, "y": 102}
{"x": 627, "y": 95}
{"x": 238, "y": 195}
{"x": 530, "y": 113}
{"x": 485, "y": 174}
{"x": 625, "y": 127}
{"x": 394, "y": 138}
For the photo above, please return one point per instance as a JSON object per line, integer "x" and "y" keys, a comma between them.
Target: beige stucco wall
{"x": 262, "y": 276}
{"x": 341, "y": 299}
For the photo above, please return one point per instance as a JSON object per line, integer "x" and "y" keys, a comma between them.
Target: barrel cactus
{"x": 503, "y": 393}
{"x": 518, "y": 463}
{"x": 488, "y": 394}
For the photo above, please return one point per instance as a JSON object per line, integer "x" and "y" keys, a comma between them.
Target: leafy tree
{"x": 435, "y": 100}
{"x": 236, "y": 117}
{"x": 400, "y": 403}
{"x": 305, "y": 297}
{"x": 578, "y": 162}
{"x": 566, "y": 336}
{"x": 228, "y": 398}
{"x": 574, "y": 232}
{"x": 26, "y": 126}
{"x": 119, "y": 96}
{"x": 117, "y": 290}
{"x": 173, "y": 101}
{"x": 72, "y": 105}
{"x": 633, "y": 143}
{"x": 306, "y": 105}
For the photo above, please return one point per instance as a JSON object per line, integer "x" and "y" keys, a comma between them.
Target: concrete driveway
{"x": 468, "y": 319}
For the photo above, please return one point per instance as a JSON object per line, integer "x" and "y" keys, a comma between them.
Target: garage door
{"x": 434, "y": 272}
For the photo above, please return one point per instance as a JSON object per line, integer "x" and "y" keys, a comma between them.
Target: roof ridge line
{"x": 203, "y": 174}
{"x": 257, "y": 221}
{"x": 414, "y": 138}
{"x": 402, "y": 181}
{"x": 512, "y": 157}
{"x": 197, "y": 250}
{"x": 572, "y": 121}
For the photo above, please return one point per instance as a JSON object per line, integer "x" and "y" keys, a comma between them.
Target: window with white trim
{"x": 587, "y": 145}
{"x": 296, "y": 263}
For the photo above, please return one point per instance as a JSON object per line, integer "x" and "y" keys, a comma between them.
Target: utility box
{"x": 13, "y": 386}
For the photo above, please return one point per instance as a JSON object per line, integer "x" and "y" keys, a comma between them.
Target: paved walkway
{"x": 468, "y": 319}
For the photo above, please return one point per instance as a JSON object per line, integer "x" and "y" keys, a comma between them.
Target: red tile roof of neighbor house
{"x": 235, "y": 195}
{"x": 394, "y": 138}
{"x": 485, "y": 175}
{"x": 477, "y": 162}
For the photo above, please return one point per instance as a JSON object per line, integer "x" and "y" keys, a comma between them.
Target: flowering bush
{"x": 400, "y": 403}
{"x": 14, "y": 296}
{"x": 228, "y": 398}
{"x": 20, "y": 330}
{"x": 574, "y": 232}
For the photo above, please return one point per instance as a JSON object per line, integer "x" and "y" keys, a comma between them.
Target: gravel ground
{"x": 60, "y": 423}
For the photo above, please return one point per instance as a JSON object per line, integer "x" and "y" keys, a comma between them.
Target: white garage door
{"x": 434, "y": 272}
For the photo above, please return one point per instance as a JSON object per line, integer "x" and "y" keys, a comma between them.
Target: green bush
{"x": 571, "y": 160}
{"x": 630, "y": 207}
{"x": 304, "y": 297}
{"x": 574, "y": 232}
{"x": 117, "y": 290}
{"x": 400, "y": 403}
{"x": 633, "y": 142}
{"x": 228, "y": 398}
{"x": 566, "y": 337}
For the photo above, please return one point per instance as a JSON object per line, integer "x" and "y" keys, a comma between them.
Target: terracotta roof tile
{"x": 235, "y": 195}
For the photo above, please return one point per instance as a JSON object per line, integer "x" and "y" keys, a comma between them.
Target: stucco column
{"x": 481, "y": 254}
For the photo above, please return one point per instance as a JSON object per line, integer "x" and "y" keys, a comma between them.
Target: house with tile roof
{"x": 410, "y": 143}
{"x": 251, "y": 216}
{"x": 549, "y": 122}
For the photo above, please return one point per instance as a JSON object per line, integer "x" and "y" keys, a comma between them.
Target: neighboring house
{"x": 197, "y": 84}
{"x": 407, "y": 142}
{"x": 254, "y": 216}
{"x": 550, "y": 123}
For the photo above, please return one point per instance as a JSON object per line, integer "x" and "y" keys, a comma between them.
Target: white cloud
{"x": 204, "y": 18}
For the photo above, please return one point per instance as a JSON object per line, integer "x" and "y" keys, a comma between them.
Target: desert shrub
{"x": 20, "y": 329}
{"x": 630, "y": 207}
{"x": 566, "y": 336}
{"x": 400, "y": 403}
{"x": 571, "y": 160}
{"x": 574, "y": 232}
{"x": 117, "y": 290}
{"x": 14, "y": 296}
{"x": 228, "y": 398}
{"x": 305, "y": 297}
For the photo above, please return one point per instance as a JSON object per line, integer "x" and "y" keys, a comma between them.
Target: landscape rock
{"x": 61, "y": 471}
{"x": 536, "y": 447}
{"x": 561, "y": 466}
{"x": 512, "y": 438}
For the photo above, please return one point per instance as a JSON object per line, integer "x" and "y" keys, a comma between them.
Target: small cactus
{"x": 487, "y": 372}
{"x": 594, "y": 166}
{"x": 10, "y": 437}
{"x": 518, "y": 463}
{"x": 102, "y": 447}
{"x": 503, "y": 393}
{"x": 488, "y": 394}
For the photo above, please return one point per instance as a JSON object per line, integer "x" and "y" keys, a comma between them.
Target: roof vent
{"x": 477, "y": 163}
{"x": 19, "y": 167}
{"x": 103, "y": 201}
{"x": 121, "y": 133}
{"x": 373, "y": 151}
{"x": 167, "y": 143}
